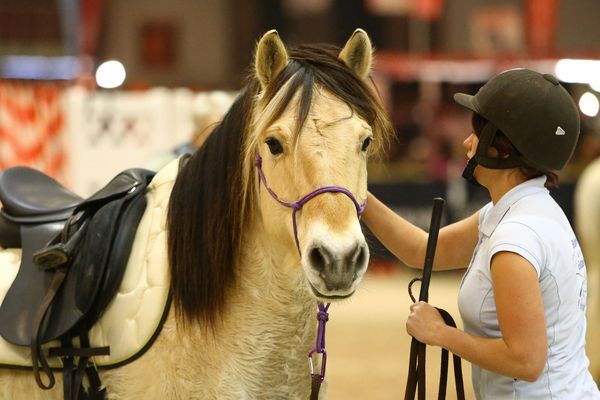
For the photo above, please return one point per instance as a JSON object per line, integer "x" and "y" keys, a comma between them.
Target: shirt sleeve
{"x": 520, "y": 239}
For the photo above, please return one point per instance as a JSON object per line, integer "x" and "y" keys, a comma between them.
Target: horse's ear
{"x": 270, "y": 57}
{"x": 357, "y": 54}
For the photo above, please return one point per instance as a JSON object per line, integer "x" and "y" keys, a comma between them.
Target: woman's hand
{"x": 425, "y": 323}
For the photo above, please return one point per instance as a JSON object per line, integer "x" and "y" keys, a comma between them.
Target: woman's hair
{"x": 506, "y": 148}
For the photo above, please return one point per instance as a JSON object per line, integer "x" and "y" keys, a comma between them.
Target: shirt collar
{"x": 499, "y": 210}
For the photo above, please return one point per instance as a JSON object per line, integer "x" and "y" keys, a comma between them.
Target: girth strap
{"x": 73, "y": 373}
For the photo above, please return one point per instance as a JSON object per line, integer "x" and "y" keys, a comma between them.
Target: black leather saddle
{"x": 74, "y": 254}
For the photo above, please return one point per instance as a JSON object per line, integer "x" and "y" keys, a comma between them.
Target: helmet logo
{"x": 560, "y": 131}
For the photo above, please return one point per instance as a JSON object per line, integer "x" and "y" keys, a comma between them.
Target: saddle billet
{"x": 62, "y": 301}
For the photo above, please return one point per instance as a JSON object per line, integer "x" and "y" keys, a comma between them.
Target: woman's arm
{"x": 522, "y": 350}
{"x": 409, "y": 242}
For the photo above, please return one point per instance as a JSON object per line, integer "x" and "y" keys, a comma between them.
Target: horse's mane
{"x": 212, "y": 200}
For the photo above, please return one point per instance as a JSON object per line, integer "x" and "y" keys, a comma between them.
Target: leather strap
{"x": 456, "y": 362}
{"x": 73, "y": 373}
{"x": 37, "y": 357}
{"x": 416, "y": 384}
{"x": 416, "y": 366}
{"x": 68, "y": 366}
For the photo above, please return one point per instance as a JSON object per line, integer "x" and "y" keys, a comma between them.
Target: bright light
{"x": 588, "y": 104}
{"x": 110, "y": 74}
{"x": 577, "y": 71}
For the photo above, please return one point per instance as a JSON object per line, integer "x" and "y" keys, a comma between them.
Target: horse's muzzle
{"x": 335, "y": 273}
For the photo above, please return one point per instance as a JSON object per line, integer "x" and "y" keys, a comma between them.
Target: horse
{"x": 587, "y": 223}
{"x": 251, "y": 233}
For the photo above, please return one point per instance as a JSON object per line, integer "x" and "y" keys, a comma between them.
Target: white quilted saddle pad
{"x": 134, "y": 315}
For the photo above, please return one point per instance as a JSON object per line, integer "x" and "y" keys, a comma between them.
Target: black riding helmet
{"x": 533, "y": 111}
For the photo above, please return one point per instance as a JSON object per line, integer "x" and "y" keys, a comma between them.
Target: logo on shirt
{"x": 559, "y": 131}
{"x": 581, "y": 274}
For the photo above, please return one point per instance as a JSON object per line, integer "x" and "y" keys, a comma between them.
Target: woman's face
{"x": 481, "y": 174}
{"x": 470, "y": 144}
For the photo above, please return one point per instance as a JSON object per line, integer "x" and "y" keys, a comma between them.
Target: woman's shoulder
{"x": 539, "y": 209}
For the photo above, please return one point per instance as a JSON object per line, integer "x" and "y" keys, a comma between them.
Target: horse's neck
{"x": 271, "y": 278}
{"x": 270, "y": 324}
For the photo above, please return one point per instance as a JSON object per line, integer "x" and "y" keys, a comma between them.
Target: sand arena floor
{"x": 367, "y": 343}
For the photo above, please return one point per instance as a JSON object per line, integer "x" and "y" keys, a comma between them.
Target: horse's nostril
{"x": 361, "y": 256}
{"x": 355, "y": 259}
{"x": 319, "y": 258}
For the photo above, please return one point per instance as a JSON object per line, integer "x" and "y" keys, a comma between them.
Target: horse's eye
{"x": 366, "y": 143}
{"x": 274, "y": 146}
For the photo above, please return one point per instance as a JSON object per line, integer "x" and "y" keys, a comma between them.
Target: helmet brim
{"x": 467, "y": 101}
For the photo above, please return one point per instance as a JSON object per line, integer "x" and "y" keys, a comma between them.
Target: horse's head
{"x": 309, "y": 118}
{"x": 312, "y": 130}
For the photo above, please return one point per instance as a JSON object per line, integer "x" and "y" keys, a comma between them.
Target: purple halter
{"x": 298, "y": 204}
{"x": 322, "y": 314}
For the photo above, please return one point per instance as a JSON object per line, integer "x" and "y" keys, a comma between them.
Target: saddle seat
{"x": 30, "y": 196}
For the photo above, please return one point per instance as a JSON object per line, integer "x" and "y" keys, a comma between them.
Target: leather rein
{"x": 416, "y": 366}
{"x": 322, "y": 314}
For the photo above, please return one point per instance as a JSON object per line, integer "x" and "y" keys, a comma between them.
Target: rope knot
{"x": 323, "y": 316}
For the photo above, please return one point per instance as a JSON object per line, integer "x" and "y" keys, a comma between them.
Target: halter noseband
{"x": 298, "y": 204}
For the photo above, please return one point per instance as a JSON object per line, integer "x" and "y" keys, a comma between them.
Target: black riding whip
{"x": 416, "y": 367}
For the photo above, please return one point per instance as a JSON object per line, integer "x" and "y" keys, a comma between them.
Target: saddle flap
{"x": 21, "y": 303}
{"x": 120, "y": 250}
{"x": 10, "y": 233}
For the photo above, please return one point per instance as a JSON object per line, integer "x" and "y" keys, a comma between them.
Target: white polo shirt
{"x": 527, "y": 221}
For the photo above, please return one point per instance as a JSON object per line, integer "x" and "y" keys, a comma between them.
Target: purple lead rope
{"x": 322, "y": 317}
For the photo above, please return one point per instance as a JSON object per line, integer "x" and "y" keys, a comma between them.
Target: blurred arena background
{"x": 91, "y": 87}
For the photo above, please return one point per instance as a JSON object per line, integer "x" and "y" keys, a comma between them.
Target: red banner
{"x": 541, "y": 26}
{"x": 31, "y": 127}
{"x": 89, "y": 27}
{"x": 427, "y": 10}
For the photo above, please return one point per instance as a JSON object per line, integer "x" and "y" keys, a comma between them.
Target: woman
{"x": 522, "y": 299}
